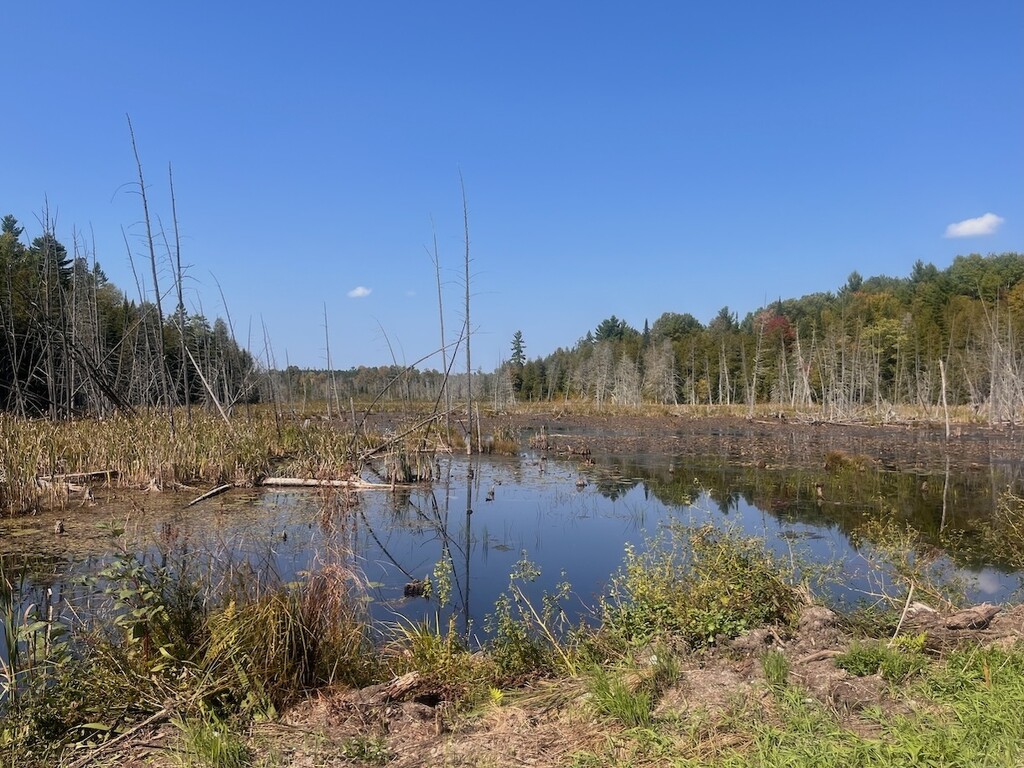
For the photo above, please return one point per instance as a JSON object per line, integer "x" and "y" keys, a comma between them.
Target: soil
{"x": 546, "y": 724}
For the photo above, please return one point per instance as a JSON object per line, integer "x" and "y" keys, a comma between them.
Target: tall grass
{"x": 193, "y": 638}
{"x": 35, "y": 455}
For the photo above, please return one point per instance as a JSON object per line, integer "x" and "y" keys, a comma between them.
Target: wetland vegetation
{"x": 754, "y": 541}
{"x": 628, "y": 590}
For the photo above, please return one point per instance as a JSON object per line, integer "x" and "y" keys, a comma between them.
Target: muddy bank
{"x": 774, "y": 442}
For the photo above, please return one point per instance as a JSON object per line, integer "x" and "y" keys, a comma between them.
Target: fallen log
{"x": 399, "y": 689}
{"x": 79, "y": 476}
{"x": 978, "y": 617}
{"x": 210, "y": 494}
{"x": 302, "y": 482}
{"x": 943, "y": 632}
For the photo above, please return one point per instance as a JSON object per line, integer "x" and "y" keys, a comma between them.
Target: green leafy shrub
{"x": 699, "y": 583}
{"x": 526, "y": 640}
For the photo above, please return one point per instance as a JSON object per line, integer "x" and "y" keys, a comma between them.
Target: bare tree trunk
{"x": 180, "y": 313}
{"x": 752, "y": 391}
{"x": 469, "y": 367}
{"x": 156, "y": 282}
{"x": 445, "y": 392}
{"x": 330, "y": 369}
{"x": 945, "y": 409}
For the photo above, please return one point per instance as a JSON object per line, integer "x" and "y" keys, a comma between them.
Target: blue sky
{"x": 626, "y": 159}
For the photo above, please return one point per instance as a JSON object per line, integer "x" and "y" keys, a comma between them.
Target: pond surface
{"x": 571, "y": 518}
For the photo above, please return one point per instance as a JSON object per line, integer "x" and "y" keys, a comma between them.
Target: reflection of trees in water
{"x": 428, "y": 510}
{"x": 612, "y": 480}
{"x": 945, "y": 507}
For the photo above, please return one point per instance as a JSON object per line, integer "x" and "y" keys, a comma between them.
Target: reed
{"x": 37, "y": 457}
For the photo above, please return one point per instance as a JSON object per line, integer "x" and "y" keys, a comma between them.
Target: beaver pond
{"x": 566, "y": 509}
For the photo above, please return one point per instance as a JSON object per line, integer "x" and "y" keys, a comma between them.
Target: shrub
{"x": 699, "y": 583}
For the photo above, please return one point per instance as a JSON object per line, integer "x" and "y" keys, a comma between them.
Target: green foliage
{"x": 698, "y": 584}
{"x": 209, "y": 647}
{"x": 368, "y": 750}
{"x": 775, "y": 667}
{"x": 614, "y": 697}
{"x": 73, "y": 343}
{"x": 613, "y": 329}
{"x": 210, "y": 742}
{"x": 896, "y": 663}
{"x": 158, "y": 607}
{"x": 675, "y": 326}
{"x": 526, "y": 640}
{"x": 518, "y": 358}
{"x": 441, "y": 657}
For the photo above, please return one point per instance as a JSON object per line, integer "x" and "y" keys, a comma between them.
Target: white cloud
{"x": 359, "y": 292}
{"x": 982, "y": 225}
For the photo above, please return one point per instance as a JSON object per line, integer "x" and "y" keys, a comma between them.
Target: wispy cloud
{"x": 359, "y": 292}
{"x": 982, "y": 225}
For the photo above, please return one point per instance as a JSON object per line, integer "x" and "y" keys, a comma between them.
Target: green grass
{"x": 961, "y": 712}
{"x": 776, "y": 669}
{"x": 896, "y": 663}
{"x": 208, "y": 742}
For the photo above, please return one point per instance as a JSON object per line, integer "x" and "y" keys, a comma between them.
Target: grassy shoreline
{"x": 706, "y": 651}
{"x": 706, "y": 654}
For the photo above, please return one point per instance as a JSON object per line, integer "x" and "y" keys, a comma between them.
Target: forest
{"x": 873, "y": 345}
{"x": 72, "y": 343}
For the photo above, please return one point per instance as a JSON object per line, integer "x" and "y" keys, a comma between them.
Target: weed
{"x": 370, "y": 750}
{"x": 209, "y": 741}
{"x": 896, "y": 664}
{"x": 699, "y": 584}
{"x": 775, "y": 666}
{"x": 525, "y": 640}
{"x": 613, "y": 697}
{"x": 440, "y": 656}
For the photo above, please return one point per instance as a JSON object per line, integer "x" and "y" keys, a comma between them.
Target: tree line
{"x": 72, "y": 343}
{"x": 952, "y": 335}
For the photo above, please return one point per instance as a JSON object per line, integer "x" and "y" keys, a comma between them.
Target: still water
{"x": 572, "y": 519}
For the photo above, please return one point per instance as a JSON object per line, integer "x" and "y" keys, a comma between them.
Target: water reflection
{"x": 488, "y": 513}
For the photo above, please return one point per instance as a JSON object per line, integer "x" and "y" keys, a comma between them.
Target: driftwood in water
{"x": 71, "y": 477}
{"x": 415, "y": 588}
{"x": 302, "y": 482}
{"x": 210, "y": 494}
{"x": 299, "y": 482}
